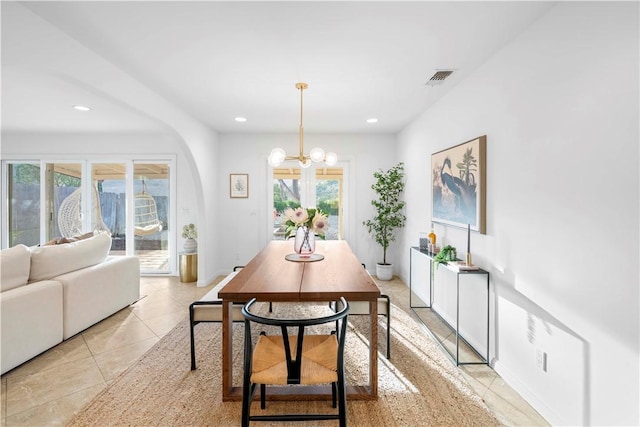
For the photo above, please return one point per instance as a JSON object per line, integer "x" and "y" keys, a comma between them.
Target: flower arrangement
{"x": 313, "y": 219}
{"x": 189, "y": 232}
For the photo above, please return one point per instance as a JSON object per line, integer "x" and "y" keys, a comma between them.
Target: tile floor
{"x": 50, "y": 388}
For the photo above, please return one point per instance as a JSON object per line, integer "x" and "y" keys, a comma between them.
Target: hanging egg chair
{"x": 70, "y": 218}
{"x": 146, "y": 214}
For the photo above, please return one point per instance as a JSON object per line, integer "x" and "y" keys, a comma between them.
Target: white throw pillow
{"x": 48, "y": 262}
{"x": 15, "y": 263}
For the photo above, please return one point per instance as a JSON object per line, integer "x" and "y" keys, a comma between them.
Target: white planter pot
{"x": 190, "y": 245}
{"x": 384, "y": 272}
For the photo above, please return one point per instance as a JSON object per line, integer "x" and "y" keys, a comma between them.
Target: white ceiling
{"x": 218, "y": 60}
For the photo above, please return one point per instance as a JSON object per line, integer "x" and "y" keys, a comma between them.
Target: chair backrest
{"x": 70, "y": 218}
{"x": 294, "y": 360}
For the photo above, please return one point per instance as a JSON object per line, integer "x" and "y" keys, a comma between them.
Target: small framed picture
{"x": 239, "y": 185}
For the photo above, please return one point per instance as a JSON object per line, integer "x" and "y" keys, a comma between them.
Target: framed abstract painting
{"x": 458, "y": 185}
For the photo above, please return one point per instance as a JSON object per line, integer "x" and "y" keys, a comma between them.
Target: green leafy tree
{"x": 389, "y": 207}
{"x": 26, "y": 174}
{"x": 30, "y": 174}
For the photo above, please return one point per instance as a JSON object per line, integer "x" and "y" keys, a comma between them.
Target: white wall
{"x": 243, "y": 222}
{"x": 559, "y": 106}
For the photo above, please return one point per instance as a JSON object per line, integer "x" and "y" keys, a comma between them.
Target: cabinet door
{"x": 420, "y": 272}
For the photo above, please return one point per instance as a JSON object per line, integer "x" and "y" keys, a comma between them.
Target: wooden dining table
{"x": 270, "y": 277}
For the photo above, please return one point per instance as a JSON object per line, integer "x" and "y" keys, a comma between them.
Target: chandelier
{"x": 278, "y": 155}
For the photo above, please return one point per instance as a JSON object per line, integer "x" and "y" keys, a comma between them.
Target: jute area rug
{"x": 419, "y": 386}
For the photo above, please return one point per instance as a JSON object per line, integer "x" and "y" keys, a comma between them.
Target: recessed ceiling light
{"x": 240, "y": 119}
{"x": 372, "y": 120}
{"x": 81, "y": 108}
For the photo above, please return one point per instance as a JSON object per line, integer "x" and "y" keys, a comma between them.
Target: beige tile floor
{"x": 50, "y": 388}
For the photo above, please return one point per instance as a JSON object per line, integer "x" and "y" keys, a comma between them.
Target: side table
{"x": 188, "y": 266}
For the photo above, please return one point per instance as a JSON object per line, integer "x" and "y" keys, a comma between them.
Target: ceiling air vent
{"x": 438, "y": 78}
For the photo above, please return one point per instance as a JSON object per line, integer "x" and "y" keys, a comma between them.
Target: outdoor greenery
{"x": 389, "y": 207}
{"x": 30, "y": 174}
{"x": 288, "y": 196}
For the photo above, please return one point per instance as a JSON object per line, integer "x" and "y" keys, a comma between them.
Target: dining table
{"x": 276, "y": 274}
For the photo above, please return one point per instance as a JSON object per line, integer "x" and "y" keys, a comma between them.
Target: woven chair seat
{"x": 318, "y": 359}
{"x": 300, "y": 354}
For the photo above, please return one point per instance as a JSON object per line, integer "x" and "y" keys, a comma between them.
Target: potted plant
{"x": 189, "y": 232}
{"x": 389, "y": 215}
{"x": 446, "y": 255}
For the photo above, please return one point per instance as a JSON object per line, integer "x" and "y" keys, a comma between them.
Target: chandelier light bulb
{"x": 277, "y": 156}
{"x": 306, "y": 163}
{"x": 331, "y": 158}
{"x": 317, "y": 154}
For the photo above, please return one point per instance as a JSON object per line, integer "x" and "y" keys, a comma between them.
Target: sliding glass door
{"x": 151, "y": 215}
{"x": 23, "y": 210}
{"x": 130, "y": 199}
{"x": 64, "y": 212}
{"x": 109, "y": 202}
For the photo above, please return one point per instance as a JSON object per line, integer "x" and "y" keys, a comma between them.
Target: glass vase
{"x": 304, "y": 243}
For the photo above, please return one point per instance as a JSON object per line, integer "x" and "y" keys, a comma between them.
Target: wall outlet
{"x": 541, "y": 360}
{"x": 237, "y": 256}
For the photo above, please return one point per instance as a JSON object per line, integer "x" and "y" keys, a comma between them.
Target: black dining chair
{"x": 295, "y": 357}
{"x": 209, "y": 309}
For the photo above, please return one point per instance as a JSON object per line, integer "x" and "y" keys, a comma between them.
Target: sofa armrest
{"x": 30, "y": 321}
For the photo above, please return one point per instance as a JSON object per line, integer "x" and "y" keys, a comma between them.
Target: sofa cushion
{"x": 50, "y": 261}
{"x": 14, "y": 267}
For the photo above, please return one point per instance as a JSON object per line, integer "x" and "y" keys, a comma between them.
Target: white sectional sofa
{"x": 50, "y": 293}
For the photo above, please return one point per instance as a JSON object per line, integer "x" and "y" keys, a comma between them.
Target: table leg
{"x": 227, "y": 351}
{"x": 373, "y": 348}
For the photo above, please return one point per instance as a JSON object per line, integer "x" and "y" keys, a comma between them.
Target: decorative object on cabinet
{"x": 468, "y": 259}
{"x": 462, "y": 266}
{"x": 458, "y": 185}
{"x": 446, "y": 255}
{"x": 239, "y": 185}
{"x": 389, "y": 215}
{"x": 424, "y": 241}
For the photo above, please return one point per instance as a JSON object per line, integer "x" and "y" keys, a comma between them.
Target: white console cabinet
{"x": 452, "y": 296}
